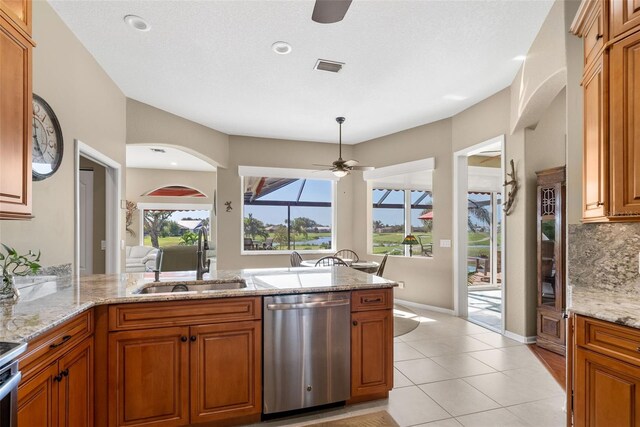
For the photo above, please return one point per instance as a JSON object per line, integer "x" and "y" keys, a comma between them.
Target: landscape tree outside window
{"x": 284, "y": 214}
{"x": 173, "y": 227}
{"x": 397, "y": 213}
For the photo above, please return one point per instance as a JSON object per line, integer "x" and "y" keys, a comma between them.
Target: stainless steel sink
{"x": 198, "y": 286}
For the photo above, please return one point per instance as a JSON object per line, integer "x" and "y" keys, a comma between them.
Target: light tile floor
{"x": 452, "y": 373}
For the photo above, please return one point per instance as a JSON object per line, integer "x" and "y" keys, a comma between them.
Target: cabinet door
{"x": 226, "y": 372}
{"x": 624, "y": 16}
{"x": 19, "y": 12}
{"x": 15, "y": 123}
{"x": 371, "y": 352}
{"x": 595, "y": 163}
{"x": 606, "y": 391}
{"x": 625, "y": 126}
{"x": 149, "y": 377}
{"x": 38, "y": 399}
{"x": 75, "y": 393}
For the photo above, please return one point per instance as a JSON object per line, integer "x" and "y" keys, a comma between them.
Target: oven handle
{"x": 9, "y": 385}
{"x": 318, "y": 304}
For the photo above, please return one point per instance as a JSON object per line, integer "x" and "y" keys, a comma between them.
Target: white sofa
{"x": 140, "y": 258}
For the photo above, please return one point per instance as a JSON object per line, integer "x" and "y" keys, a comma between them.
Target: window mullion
{"x": 407, "y": 217}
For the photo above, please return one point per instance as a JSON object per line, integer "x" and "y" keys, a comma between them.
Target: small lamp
{"x": 410, "y": 240}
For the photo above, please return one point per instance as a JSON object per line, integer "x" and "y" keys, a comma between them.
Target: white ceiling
{"x": 407, "y": 62}
{"x": 142, "y": 156}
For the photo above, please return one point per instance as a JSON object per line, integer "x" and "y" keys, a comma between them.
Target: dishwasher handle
{"x": 317, "y": 304}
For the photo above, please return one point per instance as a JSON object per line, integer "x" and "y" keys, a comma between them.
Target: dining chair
{"x": 295, "y": 259}
{"x": 381, "y": 267}
{"x": 248, "y": 244}
{"x": 347, "y": 254}
{"x": 330, "y": 260}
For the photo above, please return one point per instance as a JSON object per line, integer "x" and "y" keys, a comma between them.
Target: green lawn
{"x": 164, "y": 241}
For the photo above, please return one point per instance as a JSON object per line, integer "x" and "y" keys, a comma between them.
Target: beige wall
{"x": 90, "y": 108}
{"x": 99, "y": 212}
{"x": 140, "y": 181}
{"x": 249, "y": 151}
{"x": 427, "y": 280}
{"x": 150, "y": 125}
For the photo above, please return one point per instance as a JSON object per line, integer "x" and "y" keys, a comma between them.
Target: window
{"x": 402, "y": 204}
{"x": 286, "y": 214}
{"x": 395, "y": 214}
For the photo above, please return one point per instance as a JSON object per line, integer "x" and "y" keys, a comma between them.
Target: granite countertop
{"x": 46, "y": 302}
{"x": 621, "y": 307}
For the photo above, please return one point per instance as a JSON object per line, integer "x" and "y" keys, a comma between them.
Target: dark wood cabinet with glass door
{"x": 551, "y": 259}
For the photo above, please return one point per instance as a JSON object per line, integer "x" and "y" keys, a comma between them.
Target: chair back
{"x": 268, "y": 243}
{"x": 347, "y": 254}
{"x": 381, "y": 266}
{"x": 248, "y": 243}
{"x": 330, "y": 260}
{"x": 426, "y": 247}
{"x": 295, "y": 259}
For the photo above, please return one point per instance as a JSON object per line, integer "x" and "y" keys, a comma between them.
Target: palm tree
{"x": 479, "y": 212}
{"x": 254, "y": 227}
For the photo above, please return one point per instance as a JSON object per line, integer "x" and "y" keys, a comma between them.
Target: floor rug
{"x": 404, "y": 320}
{"x": 375, "y": 419}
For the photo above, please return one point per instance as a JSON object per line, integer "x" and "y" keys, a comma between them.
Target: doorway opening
{"x": 97, "y": 212}
{"x": 479, "y": 234}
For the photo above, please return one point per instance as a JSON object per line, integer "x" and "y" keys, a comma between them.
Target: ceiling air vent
{"x": 331, "y": 66}
{"x": 157, "y": 150}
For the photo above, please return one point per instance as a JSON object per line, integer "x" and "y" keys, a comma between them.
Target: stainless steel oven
{"x": 9, "y": 379}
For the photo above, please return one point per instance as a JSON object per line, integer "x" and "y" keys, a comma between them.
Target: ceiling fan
{"x": 330, "y": 11}
{"x": 341, "y": 167}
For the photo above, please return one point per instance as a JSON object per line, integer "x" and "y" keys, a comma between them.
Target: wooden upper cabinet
{"x": 596, "y": 158}
{"x": 15, "y": 123}
{"x": 624, "y": 15}
{"x": 18, "y": 13}
{"x": 625, "y": 125}
{"x": 593, "y": 34}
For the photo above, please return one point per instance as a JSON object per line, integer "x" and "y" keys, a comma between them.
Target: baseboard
{"x": 424, "y": 306}
{"x": 520, "y": 338}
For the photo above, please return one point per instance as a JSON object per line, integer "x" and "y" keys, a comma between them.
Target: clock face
{"x": 47, "y": 140}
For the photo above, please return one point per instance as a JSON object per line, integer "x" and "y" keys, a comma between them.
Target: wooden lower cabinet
{"x": 606, "y": 391}
{"x": 226, "y": 371}
{"x": 208, "y": 372}
{"x": 149, "y": 377}
{"x": 371, "y": 354}
{"x": 61, "y": 393}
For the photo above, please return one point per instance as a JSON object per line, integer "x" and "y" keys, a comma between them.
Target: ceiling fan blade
{"x": 351, "y": 162}
{"x": 330, "y": 11}
{"x": 324, "y": 166}
{"x": 362, "y": 168}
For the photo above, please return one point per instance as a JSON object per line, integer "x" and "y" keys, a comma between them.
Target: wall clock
{"x": 47, "y": 143}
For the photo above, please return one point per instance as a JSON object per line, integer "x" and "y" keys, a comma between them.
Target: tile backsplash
{"x": 604, "y": 256}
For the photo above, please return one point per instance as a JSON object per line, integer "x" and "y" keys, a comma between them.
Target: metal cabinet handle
{"x": 317, "y": 304}
{"x": 184, "y": 338}
{"x": 638, "y": 349}
{"x": 354, "y": 323}
{"x": 64, "y": 340}
{"x": 371, "y": 300}
{"x": 599, "y": 36}
{"x": 58, "y": 378}
{"x": 600, "y": 204}
{"x": 193, "y": 338}
{"x": 65, "y": 373}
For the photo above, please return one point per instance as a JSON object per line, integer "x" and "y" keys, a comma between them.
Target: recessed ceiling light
{"x": 137, "y": 23}
{"x": 174, "y": 164}
{"x": 520, "y": 58}
{"x": 454, "y": 97}
{"x": 281, "y": 48}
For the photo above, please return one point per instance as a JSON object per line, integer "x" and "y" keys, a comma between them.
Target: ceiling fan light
{"x": 340, "y": 173}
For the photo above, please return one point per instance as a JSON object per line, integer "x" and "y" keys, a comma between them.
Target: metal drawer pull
{"x": 319, "y": 304}
{"x": 638, "y": 349}
{"x": 371, "y": 300}
{"x": 599, "y": 36}
{"x": 64, "y": 340}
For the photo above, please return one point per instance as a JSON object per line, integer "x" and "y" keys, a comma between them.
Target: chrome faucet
{"x": 202, "y": 267}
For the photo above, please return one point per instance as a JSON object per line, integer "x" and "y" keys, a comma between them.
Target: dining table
{"x": 362, "y": 265}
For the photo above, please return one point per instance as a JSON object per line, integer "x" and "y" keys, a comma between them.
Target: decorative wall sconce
{"x": 511, "y": 188}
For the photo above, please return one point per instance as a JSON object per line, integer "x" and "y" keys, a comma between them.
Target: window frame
{"x": 334, "y": 218}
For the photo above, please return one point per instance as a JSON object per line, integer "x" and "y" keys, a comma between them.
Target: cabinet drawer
{"x": 176, "y": 313}
{"x": 53, "y": 343}
{"x": 372, "y": 299}
{"x": 620, "y": 342}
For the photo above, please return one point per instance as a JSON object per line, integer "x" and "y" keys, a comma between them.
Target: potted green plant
{"x": 14, "y": 264}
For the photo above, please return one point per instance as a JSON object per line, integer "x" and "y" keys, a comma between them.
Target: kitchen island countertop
{"x": 54, "y": 300}
{"x": 622, "y": 308}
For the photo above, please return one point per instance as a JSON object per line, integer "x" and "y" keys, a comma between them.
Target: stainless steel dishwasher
{"x": 306, "y": 358}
